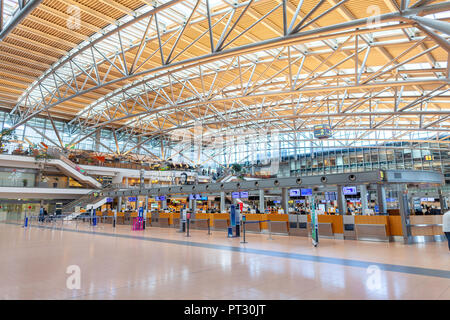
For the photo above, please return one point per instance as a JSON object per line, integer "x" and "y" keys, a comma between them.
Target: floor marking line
{"x": 297, "y": 256}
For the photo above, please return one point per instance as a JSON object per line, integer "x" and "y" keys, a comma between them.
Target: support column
{"x": 342, "y": 204}
{"x": 97, "y": 141}
{"x": 381, "y": 198}
{"x": 261, "y": 200}
{"x": 442, "y": 201}
{"x": 119, "y": 204}
{"x": 402, "y": 196}
{"x": 222, "y": 202}
{"x": 145, "y": 207}
{"x": 363, "y": 192}
{"x": 164, "y": 204}
{"x": 285, "y": 200}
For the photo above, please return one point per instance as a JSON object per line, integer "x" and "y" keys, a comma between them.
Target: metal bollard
{"x": 187, "y": 227}
{"x": 114, "y": 222}
{"x": 209, "y": 227}
{"x": 243, "y": 231}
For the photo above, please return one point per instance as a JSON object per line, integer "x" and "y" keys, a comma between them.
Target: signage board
{"x": 306, "y": 192}
{"x": 347, "y": 191}
{"x": 243, "y": 194}
{"x": 294, "y": 193}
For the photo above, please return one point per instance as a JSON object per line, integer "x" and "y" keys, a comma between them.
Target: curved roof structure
{"x": 149, "y": 68}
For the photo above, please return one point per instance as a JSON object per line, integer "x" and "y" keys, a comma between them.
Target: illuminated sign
{"x": 244, "y": 194}
{"x": 349, "y": 191}
{"x": 306, "y": 192}
{"x": 235, "y": 195}
{"x": 294, "y": 192}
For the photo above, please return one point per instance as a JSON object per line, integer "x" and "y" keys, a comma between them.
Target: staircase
{"x": 70, "y": 168}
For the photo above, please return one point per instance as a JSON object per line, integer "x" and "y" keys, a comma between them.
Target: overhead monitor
{"x": 162, "y": 198}
{"x": 294, "y": 193}
{"x": 157, "y": 198}
{"x": 198, "y": 197}
{"x": 131, "y": 199}
{"x": 191, "y": 197}
{"x": 348, "y": 191}
{"x": 306, "y": 192}
{"x": 235, "y": 195}
{"x": 243, "y": 194}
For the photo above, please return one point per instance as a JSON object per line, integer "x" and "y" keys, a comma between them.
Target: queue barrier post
{"x": 209, "y": 227}
{"x": 187, "y": 227}
{"x": 243, "y": 231}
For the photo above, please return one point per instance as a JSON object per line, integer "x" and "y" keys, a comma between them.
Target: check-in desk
{"x": 253, "y": 222}
{"x": 374, "y": 228}
{"x": 298, "y": 225}
{"x": 330, "y": 226}
{"x": 120, "y": 218}
{"x": 200, "y": 222}
{"x": 165, "y": 220}
{"x": 220, "y": 221}
{"x": 427, "y": 228}
{"x": 175, "y": 219}
{"x": 155, "y": 219}
{"x": 349, "y": 227}
{"x": 279, "y": 223}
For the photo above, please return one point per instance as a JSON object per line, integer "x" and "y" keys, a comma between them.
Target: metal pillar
{"x": 342, "y": 204}
{"x": 145, "y": 211}
{"x": 119, "y": 204}
{"x": 261, "y": 200}
{"x": 97, "y": 141}
{"x": 285, "y": 200}
{"x": 363, "y": 192}
{"x": 402, "y": 195}
{"x": 381, "y": 198}
{"x": 442, "y": 201}
{"x": 164, "y": 204}
{"x": 222, "y": 202}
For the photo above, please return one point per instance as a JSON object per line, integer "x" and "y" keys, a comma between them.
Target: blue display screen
{"x": 131, "y": 199}
{"x": 191, "y": 197}
{"x": 235, "y": 195}
{"x": 294, "y": 192}
{"x": 198, "y": 197}
{"x": 306, "y": 192}
{"x": 162, "y": 198}
{"x": 349, "y": 191}
{"x": 244, "y": 194}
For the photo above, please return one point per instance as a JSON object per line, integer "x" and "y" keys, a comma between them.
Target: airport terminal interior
{"x": 224, "y": 149}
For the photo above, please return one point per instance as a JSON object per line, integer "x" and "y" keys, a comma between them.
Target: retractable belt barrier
{"x": 244, "y": 222}
{"x": 209, "y": 226}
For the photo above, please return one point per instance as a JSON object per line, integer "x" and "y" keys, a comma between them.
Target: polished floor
{"x": 161, "y": 263}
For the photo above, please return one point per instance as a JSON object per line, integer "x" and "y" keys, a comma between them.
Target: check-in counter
{"x": 155, "y": 219}
{"x": 220, "y": 221}
{"x": 176, "y": 219}
{"x": 330, "y": 226}
{"x": 279, "y": 223}
{"x": 201, "y": 221}
{"x": 427, "y": 228}
{"x": 298, "y": 225}
{"x": 349, "y": 227}
{"x": 165, "y": 220}
{"x": 253, "y": 222}
{"x": 120, "y": 218}
{"x": 375, "y": 228}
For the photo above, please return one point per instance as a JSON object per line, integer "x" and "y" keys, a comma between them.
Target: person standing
{"x": 41, "y": 214}
{"x": 446, "y": 226}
